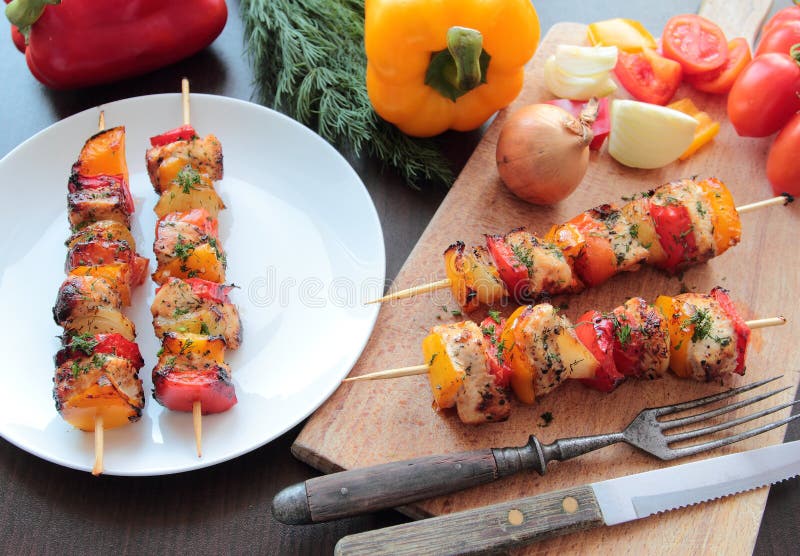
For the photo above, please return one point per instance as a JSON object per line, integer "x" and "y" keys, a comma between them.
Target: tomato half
{"x": 720, "y": 81}
{"x": 184, "y": 132}
{"x": 696, "y": 43}
{"x": 764, "y": 96}
{"x": 596, "y": 332}
{"x": 647, "y": 76}
{"x": 783, "y": 171}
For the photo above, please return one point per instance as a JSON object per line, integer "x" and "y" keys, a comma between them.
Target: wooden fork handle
{"x": 389, "y": 485}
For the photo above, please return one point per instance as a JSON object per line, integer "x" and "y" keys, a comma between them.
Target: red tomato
{"x": 513, "y": 273}
{"x": 674, "y": 229}
{"x": 648, "y": 76}
{"x": 721, "y": 80}
{"x": 792, "y": 13}
{"x": 696, "y": 43}
{"x": 780, "y": 39}
{"x": 596, "y": 332}
{"x": 783, "y": 171}
{"x": 601, "y": 125}
{"x": 498, "y": 366}
{"x": 18, "y": 39}
{"x": 739, "y": 326}
{"x": 764, "y": 96}
{"x": 185, "y": 132}
{"x": 212, "y": 291}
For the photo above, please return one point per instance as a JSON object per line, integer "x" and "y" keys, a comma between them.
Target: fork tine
{"x": 672, "y": 423}
{"x": 726, "y": 425}
{"x": 691, "y": 450}
{"x": 667, "y": 409}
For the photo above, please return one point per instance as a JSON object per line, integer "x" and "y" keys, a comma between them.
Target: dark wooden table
{"x": 225, "y": 509}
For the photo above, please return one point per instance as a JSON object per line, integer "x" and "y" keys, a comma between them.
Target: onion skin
{"x": 543, "y": 153}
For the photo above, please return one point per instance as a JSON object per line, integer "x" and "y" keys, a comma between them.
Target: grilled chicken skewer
{"x": 675, "y": 226}
{"x": 472, "y": 367}
{"x": 192, "y": 313}
{"x": 96, "y": 383}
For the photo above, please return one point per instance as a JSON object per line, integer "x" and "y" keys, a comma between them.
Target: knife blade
{"x": 526, "y": 520}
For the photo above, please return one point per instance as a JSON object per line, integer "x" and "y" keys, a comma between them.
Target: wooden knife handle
{"x": 488, "y": 529}
{"x": 388, "y": 485}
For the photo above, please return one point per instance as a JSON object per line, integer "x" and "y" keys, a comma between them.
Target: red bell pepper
{"x": 739, "y": 326}
{"x": 205, "y": 289}
{"x": 596, "y": 332}
{"x": 601, "y": 125}
{"x": 114, "y": 344}
{"x": 82, "y": 42}
{"x": 185, "y": 133}
{"x": 675, "y": 234}
{"x": 495, "y": 353}
{"x": 513, "y": 272}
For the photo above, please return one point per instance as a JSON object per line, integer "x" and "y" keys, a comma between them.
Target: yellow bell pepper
{"x": 451, "y": 64}
{"x": 626, "y": 34}
{"x": 706, "y": 127}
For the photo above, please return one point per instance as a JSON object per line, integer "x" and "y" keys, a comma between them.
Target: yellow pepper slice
{"x": 522, "y": 372}
{"x": 706, "y": 130}
{"x": 626, "y": 34}
{"x": 445, "y": 379}
{"x": 450, "y": 64}
{"x": 680, "y": 334}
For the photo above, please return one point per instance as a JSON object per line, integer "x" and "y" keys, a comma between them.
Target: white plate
{"x": 304, "y": 244}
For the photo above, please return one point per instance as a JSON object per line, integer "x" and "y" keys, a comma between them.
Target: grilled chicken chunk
{"x": 100, "y": 384}
{"x": 548, "y": 271}
{"x": 711, "y": 350}
{"x": 177, "y": 308}
{"x": 642, "y": 340}
{"x": 185, "y": 250}
{"x": 89, "y": 305}
{"x": 165, "y": 162}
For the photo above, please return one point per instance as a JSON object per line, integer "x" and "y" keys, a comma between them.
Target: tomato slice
{"x": 601, "y": 125}
{"x": 184, "y": 132}
{"x": 596, "y": 332}
{"x": 647, "y": 76}
{"x": 674, "y": 229}
{"x": 495, "y": 352}
{"x": 696, "y": 43}
{"x": 720, "y": 81}
{"x": 512, "y": 271}
{"x": 205, "y": 289}
{"x": 740, "y": 327}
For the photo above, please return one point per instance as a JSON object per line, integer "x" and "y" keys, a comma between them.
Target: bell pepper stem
{"x": 24, "y": 13}
{"x": 465, "y": 47}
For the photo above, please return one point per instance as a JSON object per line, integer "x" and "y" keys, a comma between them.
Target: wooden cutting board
{"x": 374, "y": 422}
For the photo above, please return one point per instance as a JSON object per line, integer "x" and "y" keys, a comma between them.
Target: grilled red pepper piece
{"x": 114, "y": 344}
{"x": 78, "y": 182}
{"x": 495, "y": 351}
{"x": 597, "y": 332}
{"x": 178, "y": 387}
{"x": 739, "y": 326}
{"x": 81, "y": 43}
{"x": 184, "y": 133}
{"x": 512, "y": 271}
{"x": 675, "y": 234}
{"x": 218, "y": 293}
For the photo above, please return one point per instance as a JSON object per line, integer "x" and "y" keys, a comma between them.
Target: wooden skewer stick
{"x": 197, "y": 419}
{"x": 98, "y": 445}
{"x": 784, "y": 199}
{"x": 197, "y": 406}
{"x": 423, "y": 369}
{"x": 98, "y": 419}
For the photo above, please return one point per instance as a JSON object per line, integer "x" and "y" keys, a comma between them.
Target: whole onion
{"x": 543, "y": 151}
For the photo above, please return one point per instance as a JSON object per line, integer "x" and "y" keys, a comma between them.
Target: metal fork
{"x": 393, "y": 484}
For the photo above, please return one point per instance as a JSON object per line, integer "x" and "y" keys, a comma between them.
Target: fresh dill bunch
{"x": 309, "y": 62}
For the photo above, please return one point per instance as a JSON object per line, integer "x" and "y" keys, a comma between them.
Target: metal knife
{"x": 526, "y": 520}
